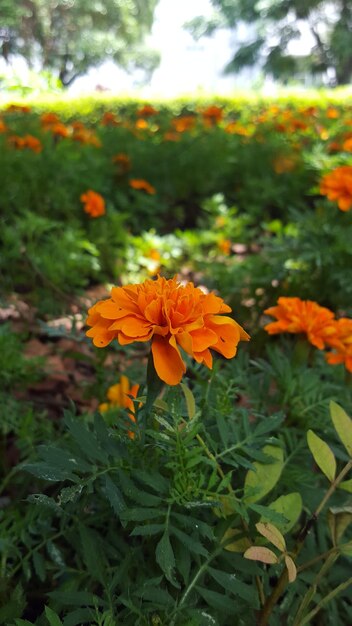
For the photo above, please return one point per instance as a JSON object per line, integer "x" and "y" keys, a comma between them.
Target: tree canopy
{"x": 68, "y": 37}
{"x": 275, "y": 24}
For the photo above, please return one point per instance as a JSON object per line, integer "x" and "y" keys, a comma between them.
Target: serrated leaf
{"x": 39, "y": 565}
{"x": 52, "y": 617}
{"x": 113, "y": 495}
{"x": 272, "y": 534}
{"x": 216, "y": 600}
{"x": 258, "y": 553}
{"x": 291, "y": 569}
{"x": 165, "y": 558}
{"x": 231, "y": 583}
{"x": 85, "y": 439}
{"x": 92, "y": 554}
{"x": 190, "y": 401}
{"x": 322, "y": 454}
{"x": 342, "y": 424}
{"x": 290, "y": 507}
{"x": 147, "y": 530}
{"x": 46, "y": 501}
{"x": 263, "y": 478}
{"x": 47, "y": 472}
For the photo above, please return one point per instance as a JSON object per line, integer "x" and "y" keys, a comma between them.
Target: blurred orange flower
{"x": 109, "y": 119}
{"x": 347, "y": 145}
{"x": 118, "y": 396}
{"x": 342, "y": 344}
{"x": 123, "y": 161}
{"x": 86, "y": 136}
{"x": 337, "y": 185}
{"x": 302, "y": 316}
{"x": 172, "y": 316}
{"x": 332, "y": 113}
{"x": 183, "y": 123}
{"x": 94, "y": 203}
{"x": 47, "y": 119}
{"x": 3, "y": 127}
{"x": 146, "y": 111}
{"x": 284, "y": 163}
{"x": 27, "y": 141}
{"x": 142, "y": 185}
{"x": 59, "y": 130}
{"x": 18, "y": 108}
{"x": 212, "y": 115}
{"x": 225, "y": 246}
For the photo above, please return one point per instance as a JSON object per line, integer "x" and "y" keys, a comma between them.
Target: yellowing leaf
{"x": 272, "y": 534}
{"x": 346, "y": 485}
{"x": 338, "y": 520}
{"x": 342, "y": 424}
{"x": 263, "y": 478}
{"x": 290, "y": 507}
{"x": 257, "y": 553}
{"x": 322, "y": 454}
{"x": 239, "y": 543}
{"x": 291, "y": 569}
{"x": 190, "y": 401}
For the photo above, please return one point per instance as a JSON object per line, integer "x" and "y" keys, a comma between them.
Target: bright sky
{"x": 186, "y": 66}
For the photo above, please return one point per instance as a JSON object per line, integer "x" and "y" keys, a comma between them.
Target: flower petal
{"x": 168, "y": 362}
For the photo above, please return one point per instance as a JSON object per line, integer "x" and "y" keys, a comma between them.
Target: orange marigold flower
{"x": 142, "y": 185}
{"x": 302, "y": 316}
{"x": 212, "y": 115}
{"x": 183, "y": 123}
{"x": 59, "y": 130}
{"x": 86, "y": 136}
{"x": 18, "y": 108}
{"x": 119, "y": 396}
{"x": 3, "y": 127}
{"x": 172, "y": 316}
{"x": 225, "y": 246}
{"x": 47, "y": 119}
{"x": 141, "y": 124}
{"x": 147, "y": 111}
{"x": 27, "y": 141}
{"x": 123, "y": 161}
{"x": 283, "y": 164}
{"x": 171, "y": 136}
{"x": 347, "y": 145}
{"x": 94, "y": 203}
{"x": 337, "y": 185}
{"x": 332, "y": 113}
{"x": 342, "y": 344}
{"x": 109, "y": 119}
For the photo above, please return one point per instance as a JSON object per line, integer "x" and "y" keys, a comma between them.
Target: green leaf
{"x": 76, "y": 598}
{"x": 263, "y": 478}
{"x": 346, "y": 485}
{"x": 269, "y": 514}
{"x": 290, "y": 507}
{"x": 52, "y": 617}
{"x": 113, "y": 495}
{"x": 85, "y": 439}
{"x": 190, "y": 401}
{"x": 92, "y": 553}
{"x": 39, "y": 565}
{"x": 231, "y": 583}
{"x": 79, "y": 617}
{"x": 47, "y": 472}
{"x": 342, "y": 424}
{"x": 165, "y": 557}
{"x": 216, "y": 600}
{"x": 258, "y": 553}
{"x": 322, "y": 455}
